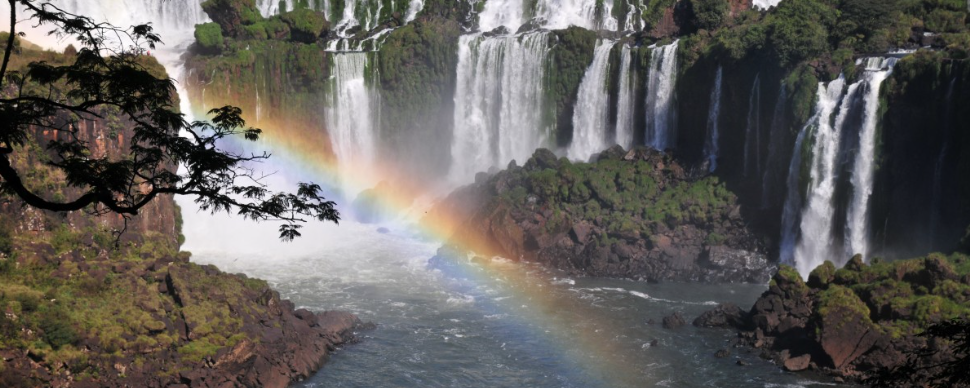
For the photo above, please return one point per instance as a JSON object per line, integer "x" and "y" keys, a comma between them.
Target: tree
{"x": 709, "y": 14}
{"x": 109, "y": 76}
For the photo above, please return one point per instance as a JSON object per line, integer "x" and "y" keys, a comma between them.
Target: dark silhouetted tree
{"x": 943, "y": 362}
{"x": 107, "y": 75}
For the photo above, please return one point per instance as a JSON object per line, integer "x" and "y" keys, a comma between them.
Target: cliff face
{"x": 84, "y": 307}
{"x": 635, "y": 214}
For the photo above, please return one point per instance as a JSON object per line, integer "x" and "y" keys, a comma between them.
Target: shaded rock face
{"x": 724, "y": 315}
{"x": 857, "y": 320}
{"x": 674, "y": 321}
{"x": 634, "y": 214}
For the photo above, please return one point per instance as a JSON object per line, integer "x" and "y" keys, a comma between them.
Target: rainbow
{"x": 594, "y": 350}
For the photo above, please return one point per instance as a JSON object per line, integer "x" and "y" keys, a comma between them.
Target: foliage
{"x": 209, "y": 37}
{"x": 709, "y": 14}
{"x": 921, "y": 367}
{"x": 103, "y": 77}
{"x": 305, "y": 25}
{"x": 797, "y": 30}
{"x": 570, "y": 54}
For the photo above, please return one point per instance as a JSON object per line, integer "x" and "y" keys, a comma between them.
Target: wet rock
{"x": 742, "y": 363}
{"x": 674, "y": 321}
{"x": 724, "y": 315}
{"x": 799, "y": 363}
{"x": 722, "y": 353}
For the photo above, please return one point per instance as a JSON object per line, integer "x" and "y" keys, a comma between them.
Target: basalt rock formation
{"x": 634, "y": 214}
{"x": 859, "y": 320}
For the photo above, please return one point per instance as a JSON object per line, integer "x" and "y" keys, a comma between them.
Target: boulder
{"x": 799, "y": 363}
{"x": 724, "y": 315}
{"x": 674, "y": 321}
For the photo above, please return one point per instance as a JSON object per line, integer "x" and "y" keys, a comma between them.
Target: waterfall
{"x": 775, "y": 141}
{"x": 814, "y": 229}
{"x": 660, "y": 96}
{"x": 350, "y": 114}
{"x": 414, "y": 6}
{"x": 816, "y": 243}
{"x": 863, "y": 171}
{"x": 625, "y": 101}
{"x": 793, "y": 200}
{"x": 590, "y": 117}
{"x": 557, "y": 14}
{"x": 764, "y": 4}
{"x": 754, "y": 125}
{"x": 498, "y": 101}
{"x": 259, "y": 108}
{"x": 713, "y": 116}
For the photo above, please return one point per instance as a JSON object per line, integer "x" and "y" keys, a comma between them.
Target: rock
{"x": 742, "y": 363}
{"x": 722, "y": 353}
{"x": 724, "y": 315}
{"x": 799, "y": 363}
{"x": 674, "y": 321}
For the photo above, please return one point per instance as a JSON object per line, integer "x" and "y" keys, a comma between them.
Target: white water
{"x": 857, "y": 222}
{"x": 351, "y": 116}
{"x": 498, "y": 102}
{"x": 625, "y": 100}
{"x": 660, "y": 96}
{"x": 765, "y": 4}
{"x": 557, "y": 14}
{"x": 754, "y": 126}
{"x": 711, "y": 146}
{"x": 815, "y": 243}
{"x": 590, "y": 117}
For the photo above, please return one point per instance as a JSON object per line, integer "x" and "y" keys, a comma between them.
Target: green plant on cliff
{"x": 209, "y": 36}
{"x": 709, "y": 14}
{"x": 103, "y": 75}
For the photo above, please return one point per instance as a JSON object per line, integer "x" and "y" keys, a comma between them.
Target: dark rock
{"x": 674, "y": 321}
{"x": 799, "y": 363}
{"x": 722, "y": 353}
{"x": 724, "y": 315}
{"x": 742, "y": 363}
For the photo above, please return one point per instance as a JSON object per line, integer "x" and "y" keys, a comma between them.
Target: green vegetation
{"x": 624, "y": 197}
{"x": 209, "y": 37}
{"x": 571, "y": 52}
{"x": 709, "y": 14}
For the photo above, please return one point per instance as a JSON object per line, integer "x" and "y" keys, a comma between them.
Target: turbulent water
{"x": 464, "y": 324}
{"x": 660, "y": 97}
{"x": 591, "y": 115}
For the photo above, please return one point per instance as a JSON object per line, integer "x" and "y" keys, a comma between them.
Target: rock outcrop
{"x": 856, "y": 321}
{"x": 635, "y": 214}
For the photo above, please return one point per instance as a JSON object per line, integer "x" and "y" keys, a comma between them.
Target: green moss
{"x": 305, "y": 25}
{"x": 209, "y": 36}
{"x": 570, "y": 53}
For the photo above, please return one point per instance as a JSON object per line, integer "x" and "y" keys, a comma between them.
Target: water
{"x": 461, "y": 324}
{"x": 764, "y": 4}
{"x": 498, "y": 102}
{"x": 556, "y": 14}
{"x": 817, "y": 239}
{"x": 754, "y": 126}
{"x": 813, "y": 240}
{"x": 351, "y": 116}
{"x": 711, "y": 146}
{"x": 625, "y": 100}
{"x": 660, "y": 97}
{"x": 863, "y": 170}
{"x": 590, "y": 117}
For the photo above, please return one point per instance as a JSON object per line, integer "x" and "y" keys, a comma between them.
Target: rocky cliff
{"x": 635, "y": 214}
{"x": 84, "y": 306}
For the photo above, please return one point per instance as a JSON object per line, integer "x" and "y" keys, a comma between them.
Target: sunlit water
{"x": 457, "y": 323}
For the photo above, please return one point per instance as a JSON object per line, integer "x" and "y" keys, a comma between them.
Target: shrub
{"x": 709, "y": 14}
{"x": 209, "y": 36}
{"x": 57, "y": 329}
{"x": 305, "y": 25}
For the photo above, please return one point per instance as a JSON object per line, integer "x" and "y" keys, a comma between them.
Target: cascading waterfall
{"x": 863, "y": 171}
{"x": 625, "y": 101}
{"x": 813, "y": 230}
{"x": 590, "y": 118}
{"x": 660, "y": 96}
{"x": 816, "y": 243}
{"x": 350, "y": 112}
{"x": 498, "y": 101}
{"x": 713, "y": 128}
{"x": 764, "y": 4}
{"x": 775, "y": 141}
{"x": 754, "y": 126}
